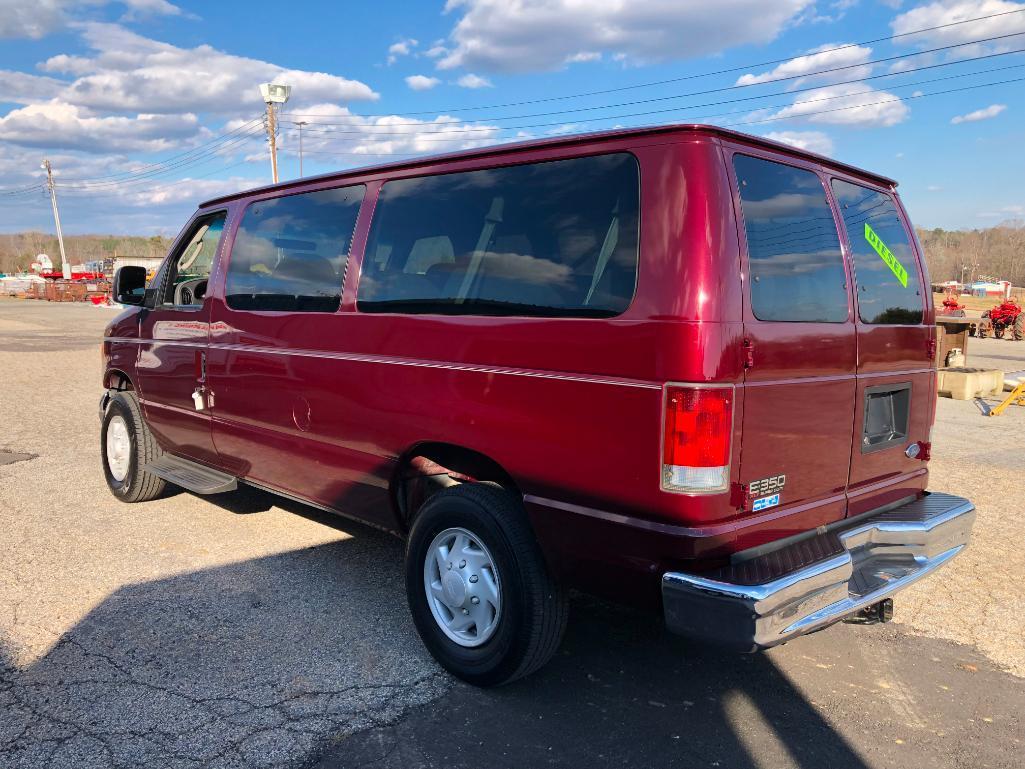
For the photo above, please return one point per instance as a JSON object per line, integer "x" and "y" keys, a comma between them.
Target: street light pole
{"x": 300, "y": 125}
{"x": 274, "y": 93}
{"x": 65, "y": 267}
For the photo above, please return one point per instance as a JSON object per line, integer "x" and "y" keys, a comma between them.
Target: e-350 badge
{"x": 766, "y": 491}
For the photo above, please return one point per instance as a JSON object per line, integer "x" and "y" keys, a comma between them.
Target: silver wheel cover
{"x": 463, "y": 587}
{"x": 119, "y": 448}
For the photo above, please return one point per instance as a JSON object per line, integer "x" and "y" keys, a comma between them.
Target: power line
{"x": 245, "y": 127}
{"x": 826, "y": 111}
{"x": 687, "y": 108}
{"x": 737, "y": 87}
{"x": 81, "y": 195}
{"x": 683, "y": 78}
{"x": 186, "y": 163}
{"x": 185, "y": 159}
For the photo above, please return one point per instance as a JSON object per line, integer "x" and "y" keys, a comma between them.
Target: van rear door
{"x": 799, "y": 385}
{"x": 896, "y": 375}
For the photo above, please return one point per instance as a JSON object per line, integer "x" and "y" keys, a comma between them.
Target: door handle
{"x": 199, "y": 398}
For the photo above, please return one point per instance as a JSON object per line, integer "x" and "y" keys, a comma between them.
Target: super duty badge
{"x": 771, "y": 485}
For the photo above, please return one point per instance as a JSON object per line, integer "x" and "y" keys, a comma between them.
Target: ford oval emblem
{"x": 913, "y": 450}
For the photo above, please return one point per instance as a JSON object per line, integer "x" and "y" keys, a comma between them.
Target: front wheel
{"x": 480, "y": 593}
{"x": 126, "y": 445}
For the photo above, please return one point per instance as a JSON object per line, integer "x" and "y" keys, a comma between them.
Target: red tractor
{"x": 1004, "y": 316}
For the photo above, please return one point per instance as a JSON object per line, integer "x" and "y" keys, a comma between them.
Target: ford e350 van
{"x": 680, "y": 367}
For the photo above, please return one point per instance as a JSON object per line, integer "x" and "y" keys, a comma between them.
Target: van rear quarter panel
{"x": 570, "y": 408}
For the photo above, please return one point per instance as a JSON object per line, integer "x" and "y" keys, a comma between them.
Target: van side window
{"x": 797, "y": 271}
{"x": 290, "y": 253}
{"x": 885, "y": 268}
{"x": 189, "y": 269}
{"x": 553, "y": 239}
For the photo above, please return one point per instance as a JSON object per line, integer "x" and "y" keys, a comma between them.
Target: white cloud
{"x": 851, "y": 105}
{"x": 474, "y": 81}
{"x": 58, "y": 124}
{"x": 22, "y": 88}
{"x": 948, "y": 11}
{"x": 421, "y": 82}
{"x": 132, "y": 73}
{"x": 37, "y": 18}
{"x": 980, "y": 114}
{"x": 348, "y": 135}
{"x": 823, "y": 57}
{"x": 583, "y": 56}
{"x": 812, "y": 141}
{"x": 934, "y": 188}
{"x": 401, "y": 48}
{"x": 534, "y": 35}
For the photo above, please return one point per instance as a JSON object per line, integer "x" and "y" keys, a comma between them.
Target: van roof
{"x": 497, "y": 150}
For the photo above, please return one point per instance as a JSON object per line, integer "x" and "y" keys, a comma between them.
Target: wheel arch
{"x": 429, "y": 466}
{"x": 116, "y": 379}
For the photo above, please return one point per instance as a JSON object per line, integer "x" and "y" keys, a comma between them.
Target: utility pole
{"x": 300, "y": 125}
{"x": 274, "y": 93}
{"x": 272, "y": 131}
{"x": 65, "y": 267}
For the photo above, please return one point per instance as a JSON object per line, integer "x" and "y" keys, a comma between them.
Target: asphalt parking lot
{"x": 244, "y": 631}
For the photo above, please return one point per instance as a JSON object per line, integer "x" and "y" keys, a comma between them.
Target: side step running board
{"x": 191, "y": 476}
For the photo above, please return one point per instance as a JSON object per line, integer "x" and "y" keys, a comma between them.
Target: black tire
{"x": 137, "y": 485}
{"x": 534, "y": 604}
{"x": 1019, "y": 327}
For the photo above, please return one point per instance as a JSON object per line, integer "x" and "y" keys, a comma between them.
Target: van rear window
{"x": 796, "y": 265}
{"x": 889, "y": 291}
{"x": 289, "y": 253}
{"x": 552, "y": 239}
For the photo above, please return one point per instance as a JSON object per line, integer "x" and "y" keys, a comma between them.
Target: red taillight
{"x": 696, "y": 443}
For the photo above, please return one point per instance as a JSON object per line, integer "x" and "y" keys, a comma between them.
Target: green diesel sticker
{"x": 886, "y": 255}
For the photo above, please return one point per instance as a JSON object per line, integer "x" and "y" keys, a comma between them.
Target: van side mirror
{"x": 130, "y": 285}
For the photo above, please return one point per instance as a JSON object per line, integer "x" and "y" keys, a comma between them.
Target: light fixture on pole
{"x": 274, "y": 93}
{"x": 300, "y": 125}
{"x": 65, "y": 266}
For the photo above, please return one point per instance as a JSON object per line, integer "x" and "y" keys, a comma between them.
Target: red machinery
{"x": 951, "y": 307}
{"x": 1006, "y": 315}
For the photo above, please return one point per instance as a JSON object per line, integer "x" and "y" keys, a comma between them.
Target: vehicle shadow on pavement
{"x": 249, "y": 664}
{"x": 621, "y": 692}
{"x": 265, "y": 662}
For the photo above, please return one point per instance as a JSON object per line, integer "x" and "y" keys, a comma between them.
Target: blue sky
{"x": 147, "y": 107}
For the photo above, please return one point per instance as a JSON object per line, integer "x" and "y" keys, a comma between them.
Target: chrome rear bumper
{"x": 804, "y": 586}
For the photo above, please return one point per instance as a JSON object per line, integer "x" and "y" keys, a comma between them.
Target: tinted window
{"x": 289, "y": 253}
{"x": 884, "y": 263}
{"x": 189, "y": 270}
{"x": 556, "y": 238}
{"x": 796, "y": 265}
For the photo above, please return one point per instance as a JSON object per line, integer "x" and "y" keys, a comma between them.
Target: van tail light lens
{"x": 698, "y": 432}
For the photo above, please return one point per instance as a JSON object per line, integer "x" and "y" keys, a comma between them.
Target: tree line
{"x": 996, "y": 253}
{"x": 18, "y": 250}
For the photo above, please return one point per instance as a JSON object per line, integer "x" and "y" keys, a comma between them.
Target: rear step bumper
{"x": 812, "y": 583}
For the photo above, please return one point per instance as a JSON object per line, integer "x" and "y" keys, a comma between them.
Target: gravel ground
{"x": 244, "y": 631}
{"x": 981, "y": 598}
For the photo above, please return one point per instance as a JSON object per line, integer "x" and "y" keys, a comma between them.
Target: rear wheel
{"x": 1019, "y": 327}
{"x": 126, "y": 445}
{"x": 480, "y": 593}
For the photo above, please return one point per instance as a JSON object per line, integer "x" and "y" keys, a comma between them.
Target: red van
{"x": 678, "y": 366}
